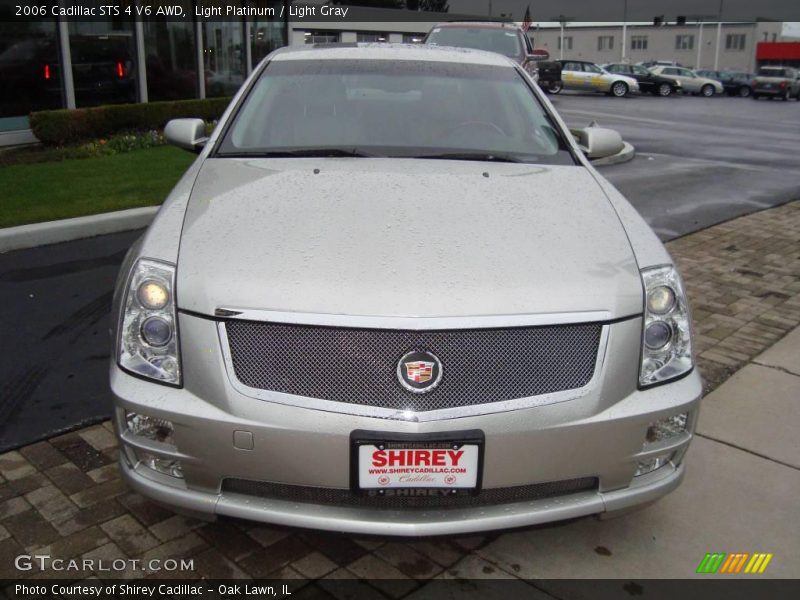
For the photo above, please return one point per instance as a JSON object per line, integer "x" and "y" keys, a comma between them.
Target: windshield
{"x": 394, "y": 108}
{"x": 502, "y": 41}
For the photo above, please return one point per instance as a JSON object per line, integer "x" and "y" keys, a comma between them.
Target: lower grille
{"x": 359, "y": 366}
{"x": 347, "y": 498}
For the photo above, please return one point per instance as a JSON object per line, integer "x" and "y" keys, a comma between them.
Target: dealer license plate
{"x": 444, "y": 461}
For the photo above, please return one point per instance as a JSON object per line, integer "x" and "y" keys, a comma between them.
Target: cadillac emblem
{"x": 419, "y": 371}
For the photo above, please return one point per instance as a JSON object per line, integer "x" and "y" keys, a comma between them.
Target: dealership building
{"x": 59, "y": 63}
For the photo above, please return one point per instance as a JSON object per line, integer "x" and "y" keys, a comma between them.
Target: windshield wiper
{"x": 480, "y": 156}
{"x": 300, "y": 153}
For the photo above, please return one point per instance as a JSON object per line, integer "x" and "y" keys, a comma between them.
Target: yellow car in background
{"x": 586, "y": 76}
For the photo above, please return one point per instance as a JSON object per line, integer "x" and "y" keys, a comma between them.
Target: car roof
{"x": 481, "y": 24}
{"x": 379, "y": 51}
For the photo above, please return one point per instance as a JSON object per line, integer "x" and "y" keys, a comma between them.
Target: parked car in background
{"x": 297, "y": 342}
{"x": 649, "y": 82}
{"x": 586, "y": 76}
{"x": 777, "y": 82}
{"x": 735, "y": 83}
{"x": 691, "y": 83}
{"x": 649, "y": 64}
{"x": 507, "y": 39}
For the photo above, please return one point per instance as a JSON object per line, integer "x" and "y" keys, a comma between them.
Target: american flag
{"x": 526, "y": 20}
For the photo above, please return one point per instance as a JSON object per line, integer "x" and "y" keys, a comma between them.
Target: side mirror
{"x": 189, "y": 134}
{"x": 598, "y": 143}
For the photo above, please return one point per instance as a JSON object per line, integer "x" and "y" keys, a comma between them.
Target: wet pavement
{"x": 699, "y": 161}
{"x": 56, "y": 302}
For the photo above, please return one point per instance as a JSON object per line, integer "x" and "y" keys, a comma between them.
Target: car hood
{"x": 403, "y": 237}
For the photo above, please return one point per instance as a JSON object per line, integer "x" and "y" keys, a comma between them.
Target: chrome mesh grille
{"x": 359, "y": 366}
{"x": 340, "y": 497}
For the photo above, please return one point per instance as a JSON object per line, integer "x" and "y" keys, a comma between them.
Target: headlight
{"x": 666, "y": 335}
{"x": 148, "y": 338}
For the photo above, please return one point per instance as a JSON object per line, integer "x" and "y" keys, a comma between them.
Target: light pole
{"x": 700, "y": 21}
{"x": 624, "y": 28}
{"x": 698, "y": 64}
{"x": 719, "y": 36}
{"x": 562, "y": 20}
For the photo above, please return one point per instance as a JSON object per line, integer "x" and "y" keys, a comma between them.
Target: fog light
{"x": 167, "y": 466}
{"x": 152, "y": 428}
{"x": 648, "y": 465}
{"x": 665, "y": 429}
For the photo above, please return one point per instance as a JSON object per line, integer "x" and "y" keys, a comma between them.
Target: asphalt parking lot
{"x": 700, "y": 161}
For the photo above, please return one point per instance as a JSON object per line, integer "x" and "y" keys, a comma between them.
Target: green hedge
{"x": 58, "y": 127}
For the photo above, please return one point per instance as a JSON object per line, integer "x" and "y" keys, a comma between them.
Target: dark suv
{"x": 504, "y": 38}
{"x": 777, "y": 82}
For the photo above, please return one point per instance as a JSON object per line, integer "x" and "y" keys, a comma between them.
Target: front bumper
{"x": 597, "y": 435}
{"x": 642, "y": 491}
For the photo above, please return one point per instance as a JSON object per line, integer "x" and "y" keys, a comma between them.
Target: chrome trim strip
{"x": 377, "y": 412}
{"x": 411, "y": 322}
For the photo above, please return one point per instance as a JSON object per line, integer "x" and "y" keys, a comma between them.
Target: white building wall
{"x": 661, "y": 43}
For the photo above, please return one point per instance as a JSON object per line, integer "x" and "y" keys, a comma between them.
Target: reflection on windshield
{"x": 394, "y": 108}
{"x": 479, "y": 38}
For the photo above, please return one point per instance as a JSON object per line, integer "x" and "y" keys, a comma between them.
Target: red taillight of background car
{"x": 120, "y": 69}
{"x": 782, "y": 84}
{"x": 47, "y": 72}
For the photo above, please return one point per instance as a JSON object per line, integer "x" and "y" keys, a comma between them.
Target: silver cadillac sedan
{"x": 393, "y": 296}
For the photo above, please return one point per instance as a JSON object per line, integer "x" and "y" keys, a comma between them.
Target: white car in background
{"x": 691, "y": 82}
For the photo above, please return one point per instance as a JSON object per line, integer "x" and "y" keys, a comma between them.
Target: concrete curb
{"x": 66, "y": 230}
{"x": 627, "y": 153}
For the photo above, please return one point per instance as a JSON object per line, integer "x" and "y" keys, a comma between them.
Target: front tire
{"x": 619, "y": 89}
{"x": 664, "y": 90}
{"x": 555, "y": 88}
{"x": 707, "y": 90}
{"x": 745, "y": 91}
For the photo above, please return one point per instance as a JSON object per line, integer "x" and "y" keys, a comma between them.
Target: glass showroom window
{"x": 29, "y": 71}
{"x": 371, "y": 36}
{"x": 267, "y": 35}
{"x": 103, "y": 62}
{"x": 321, "y": 37}
{"x": 171, "y": 59}
{"x": 223, "y": 57}
{"x": 413, "y": 38}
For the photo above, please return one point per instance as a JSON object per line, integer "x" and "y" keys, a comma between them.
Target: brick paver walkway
{"x": 63, "y": 497}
